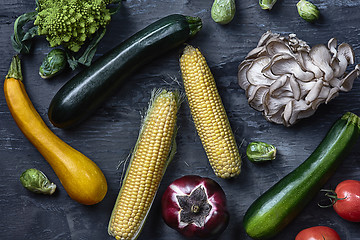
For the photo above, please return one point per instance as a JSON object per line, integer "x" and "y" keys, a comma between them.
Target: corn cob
{"x": 153, "y": 151}
{"x": 209, "y": 115}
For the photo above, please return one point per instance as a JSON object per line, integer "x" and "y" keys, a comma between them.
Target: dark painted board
{"x": 109, "y": 135}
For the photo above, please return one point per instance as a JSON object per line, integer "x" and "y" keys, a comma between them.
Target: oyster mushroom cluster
{"x": 287, "y": 80}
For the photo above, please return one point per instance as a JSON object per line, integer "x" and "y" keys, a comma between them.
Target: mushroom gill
{"x": 287, "y": 80}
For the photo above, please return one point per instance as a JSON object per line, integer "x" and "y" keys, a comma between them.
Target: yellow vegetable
{"x": 209, "y": 115}
{"x": 81, "y": 177}
{"x": 153, "y": 151}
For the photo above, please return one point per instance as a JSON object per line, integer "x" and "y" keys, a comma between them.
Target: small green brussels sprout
{"x": 267, "y": 4}
{"x": 54, "y": 63}
{"x": 308, "y": 11}
{"x": 223, "y": 11}
{"x": 260, "y": 151}
{"x": 37, "y": 182}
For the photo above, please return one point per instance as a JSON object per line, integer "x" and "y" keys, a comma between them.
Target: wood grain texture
{"x": 109, "y": 135}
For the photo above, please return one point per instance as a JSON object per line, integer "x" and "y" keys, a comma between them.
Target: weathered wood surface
{"x": 109, "y": 135}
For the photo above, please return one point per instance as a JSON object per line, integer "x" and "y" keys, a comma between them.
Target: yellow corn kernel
{"x": 152, "y": 153}
{"x": 209, "y": 114}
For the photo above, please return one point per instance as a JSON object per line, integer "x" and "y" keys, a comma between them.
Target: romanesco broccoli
{"x": 71, "y": 22}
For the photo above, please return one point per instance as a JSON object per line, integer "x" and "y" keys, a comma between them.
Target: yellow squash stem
{"x": 81, "y": 177}
{"x": 152, "y": 153}
{"x": 209, "y": 114}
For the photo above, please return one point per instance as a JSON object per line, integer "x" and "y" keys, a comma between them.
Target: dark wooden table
{"x": 108, "y": 136}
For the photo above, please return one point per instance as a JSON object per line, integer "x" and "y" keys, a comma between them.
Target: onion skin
{"x": 215, "y": 222}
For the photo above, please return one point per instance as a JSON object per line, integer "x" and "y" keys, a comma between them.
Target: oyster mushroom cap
{"x": 242, "y": 80}
{"x": 267, "y": 71}
{"x": 332, "y": 43}
{"x": 301, "y": 110}
{"x": 314, "y": 92}
{"x": 274, "y": 104}
{"x": 286, "y": 64}
{"x": 279, "y": 84}
{"x": 308, "y": 64}
{"x": 336, "y": 82}
{"x": 348, "y": 80}
{"x": 265, "y": 37}
{"x": 275, "y": 118}
{"x": 256, "y": 52}
{"x": 296, "y": 110}
{"x": 287, "y": 80}
{"x": 288, "y": 113}
{"x": 275, "y": 46}
{"x": 339, "y": 69}
{"x": 321, "y": 57}
{"x": 334, "y": 63}
{"x": 297, "y": 44}
{"x": 346, "y": 51}
{"x": 334, "y": 92}
{"x": 257, "y": 96}
{"x": 243, "y": 63}
{"x": 295, "y": 87}
{"x": 345, "y": 56}
{"x": 254, "y": 74}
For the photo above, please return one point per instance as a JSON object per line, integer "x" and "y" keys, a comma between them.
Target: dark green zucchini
{"x": 85, "y": 92}
{"x": 278, "y": 206}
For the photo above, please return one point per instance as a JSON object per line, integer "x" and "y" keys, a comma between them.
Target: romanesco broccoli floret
{"x": 71, "y": 22}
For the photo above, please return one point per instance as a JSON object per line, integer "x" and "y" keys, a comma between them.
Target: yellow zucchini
{"x": 82, "y": 178}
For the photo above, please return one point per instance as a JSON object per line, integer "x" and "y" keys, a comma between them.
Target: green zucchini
{"x": 85, "y": 92}
{"x": 278, "y": 206}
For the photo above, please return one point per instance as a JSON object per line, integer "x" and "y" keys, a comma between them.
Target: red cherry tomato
{"x": 347, "y": 204}
{"x": 318, "y": 233}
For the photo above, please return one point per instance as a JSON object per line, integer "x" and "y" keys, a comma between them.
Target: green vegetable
{"x": 70, "y": 23}
{"x": 260, "y": 151}
{"x": 278, "y": 206}
{"x": 84, "y": 93}
{"x": 267, "y": 4}
{"x": 22, "y": 40}
{"x": 37, "y": 182}
{"x": 54, "y": 63}
{"x": 223, "y": 11}
{"x": 308, "y": 11}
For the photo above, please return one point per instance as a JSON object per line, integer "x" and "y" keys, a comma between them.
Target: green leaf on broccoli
{"x": 74, "y": 24}
{"x": 21, "y": 40}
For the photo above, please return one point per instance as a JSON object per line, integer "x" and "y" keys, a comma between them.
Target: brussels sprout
{"x": 267, "y": 4}
{"x": 308, "y": 11}
{"x": 37, "y": 182}
{"x": 223, "y": 11}
{"x": 54, "y": 63}
{"x": 260, "y": 151}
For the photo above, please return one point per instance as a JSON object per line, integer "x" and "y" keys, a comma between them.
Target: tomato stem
{"x": 15, "y": 69}
{"x": 331, "y": 194}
